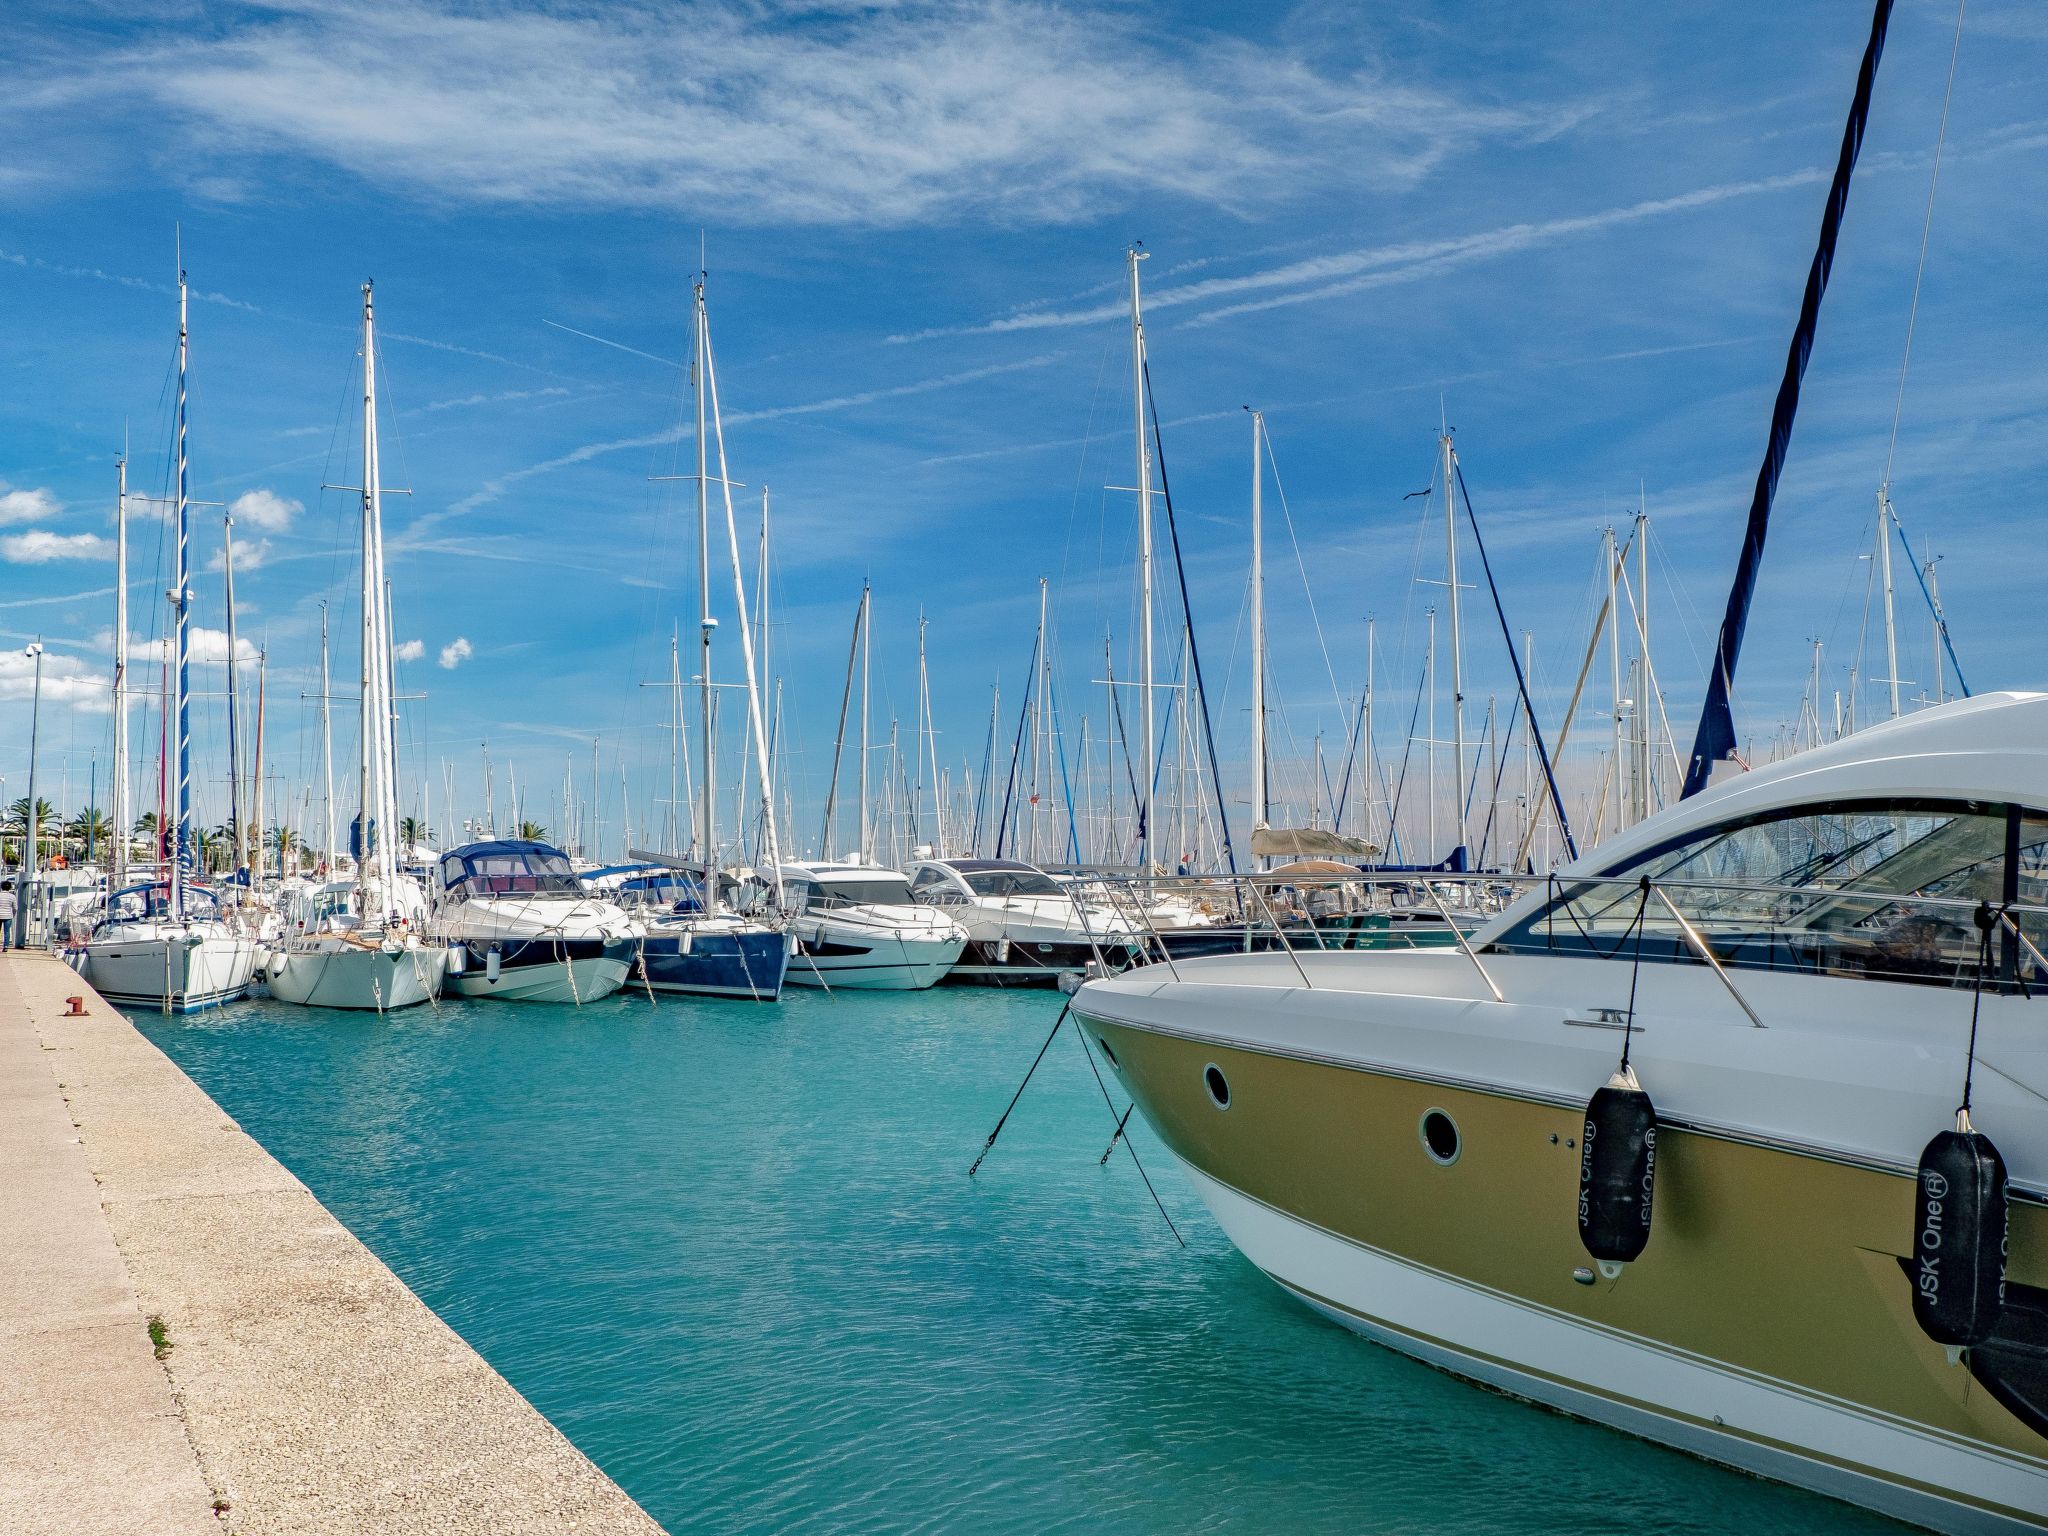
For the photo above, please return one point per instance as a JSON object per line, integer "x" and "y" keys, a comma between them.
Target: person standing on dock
{"x": 8, "y": 907}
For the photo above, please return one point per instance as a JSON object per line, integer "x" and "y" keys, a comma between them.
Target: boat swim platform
{"x": 190, "y": 1342}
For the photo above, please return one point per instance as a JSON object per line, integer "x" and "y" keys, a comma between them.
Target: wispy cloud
{"x": 142, "y": 284}
{"x": 1341, "y": 272}
{"x": 496, "y": 487}
{"x": 455, "y": 653}
{"x": 65, "y": 680}
{"x": 874, "y": 115}
{"x": 39, "y": 546}
{"x": 502, "y": 397}
{"x": 34, "y": 506}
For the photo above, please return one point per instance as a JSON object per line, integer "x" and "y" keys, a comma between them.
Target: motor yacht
{"x": 1802, "y": 971}
{"x": 1023, "y": 927}
{"x": 520, "y": 925}
{"x": 857, "y": 925}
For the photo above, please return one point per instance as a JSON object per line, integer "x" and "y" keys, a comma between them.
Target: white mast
{"x": 1258, "y": 638}
{"x": 924, "y": 688}
{"x": 241, "y": 844}
{"x": 326, "y": 747}
{"x": 118, "y": 867}
{"x": 181, "y": 602}
{"x": 707, "y": 797}
{"x": 1144, "y": 460}
{"x": 1891, "y": 634}
{"x": 376, "y": 863}
{"x": 1457, "y": 636}
{"x": 867, "y": 836}
{"x": 1371, "y": 767}
{"x": 755, "y": 722}
{"x": 1646, "y": 778}
{"x": 1429, "y": 666}
{"x": 1613, "y": 563}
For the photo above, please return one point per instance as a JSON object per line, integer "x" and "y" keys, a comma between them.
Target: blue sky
{"x": 1579, "y": 231}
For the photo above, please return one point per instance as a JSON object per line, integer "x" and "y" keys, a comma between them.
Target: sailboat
{"x": 359, "y": 944}
{"x": 165, "y": 944}
{"x": 695, "y": 942}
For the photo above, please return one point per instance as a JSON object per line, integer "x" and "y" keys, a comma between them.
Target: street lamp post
{"x": 29, "y": 860}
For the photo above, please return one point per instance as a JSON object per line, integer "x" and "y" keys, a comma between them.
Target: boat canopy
{"x": 509, "y": 867}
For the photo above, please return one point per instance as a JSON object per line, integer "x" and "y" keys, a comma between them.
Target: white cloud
{"x": 264, "y": 509}
{"x": 410, "y": 650}
{"x": 248, "y": 557}
{"x": 39, "y": 546}
{"x": 66, "y": 680}
{"x": 27, "y": 506}
{"x": 882, "y": 115}
{"x": 503, "y": 396}
{"x": 201, "y": 644}
{"x": 455, "y": 653}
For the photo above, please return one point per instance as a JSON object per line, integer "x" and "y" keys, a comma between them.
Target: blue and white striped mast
{"x": 181, "y": 603}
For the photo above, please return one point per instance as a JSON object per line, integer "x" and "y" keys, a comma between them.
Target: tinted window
{"x": 866, "y": 893}
{"x": 1884, "y": 890}
{"x": 1012, "y": 882}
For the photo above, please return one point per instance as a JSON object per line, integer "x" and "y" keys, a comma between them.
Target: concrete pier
{"x": 189, "y": 1342}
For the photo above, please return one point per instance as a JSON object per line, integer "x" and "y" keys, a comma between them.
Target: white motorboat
{"x": 1799, "y": 973}
{"x": 857, "y": 925}
{"x": 521, "y": 926}
{"x": 1023, "y": 927}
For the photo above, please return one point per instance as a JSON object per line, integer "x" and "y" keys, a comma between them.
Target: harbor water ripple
{"x": 732, "y": 1252}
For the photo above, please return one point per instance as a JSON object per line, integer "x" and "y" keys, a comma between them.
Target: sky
{"x": 1574, "y": 233}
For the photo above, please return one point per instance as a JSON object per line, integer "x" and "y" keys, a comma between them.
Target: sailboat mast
{"x": 675, "y": 736}
{"x": 256, "y": 775}
{"x": 368, "y": 734}
{"x": 1457, "y": 636}
{"x": 931, "y": 739}
{"x": 1891, "y": 634}
{"x": 181, "y": 602}
{"x": 1371, "y": 767}
{"x": 118, "y": 868}
{"x": 1144, "y": 483}
{"x": 1258, "y": 639}
{"x": 707, "y": 796}
{"x": 326, "y": 744}
{"x": 234, "y": 695}
{"x": 867, "y": 836}
{"x": 1613, "y": 563}
{"x": 1646, "y": 792}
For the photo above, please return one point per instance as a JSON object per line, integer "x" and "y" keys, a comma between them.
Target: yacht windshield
{"x": 1883, "y": 890}
{"x": 863, "y": 893}
{"x": 513, "y": 872}
{"x": 1011, "y": 882}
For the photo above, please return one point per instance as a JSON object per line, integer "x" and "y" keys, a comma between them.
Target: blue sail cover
{"x": 1715, "y": 741}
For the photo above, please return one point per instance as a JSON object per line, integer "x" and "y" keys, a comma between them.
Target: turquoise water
{"x": 732, "y": 1252}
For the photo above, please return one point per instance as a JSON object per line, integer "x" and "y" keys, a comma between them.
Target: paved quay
{"x": 301, "y": 1387}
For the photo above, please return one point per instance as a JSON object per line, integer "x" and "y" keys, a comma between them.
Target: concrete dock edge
{"x": 300, "y": 1386}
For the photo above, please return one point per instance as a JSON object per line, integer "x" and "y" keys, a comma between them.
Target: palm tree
{"x": 89, "y": 829}
{"x": 533, "y": 832}
{"x": 15, "y": 828}
{"x": 412, "y": 830}
{"x": 284, "y": 842}
{"x": 145, "y": 830}
{"x": 203, "y": 845}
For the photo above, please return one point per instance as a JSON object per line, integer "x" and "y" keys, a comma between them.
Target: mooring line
{"x": 992, "y": 1135}
{"x": 1082, "y": 1036}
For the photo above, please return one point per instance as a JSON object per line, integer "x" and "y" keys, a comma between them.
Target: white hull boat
{"x": 170, "y": 966}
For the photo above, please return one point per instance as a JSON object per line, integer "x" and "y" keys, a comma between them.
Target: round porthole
{"x": 1217, "y": 1084}
{"x": 1108, "y": 1054}
{"x": 1439, "y": 1134}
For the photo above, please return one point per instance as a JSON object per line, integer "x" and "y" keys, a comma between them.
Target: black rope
{"x": 1099, "y": 1083}
{"x": 992, "y": 1135}
{"x": 1628, "y": 1024}
{"x": 1987, "y": 919}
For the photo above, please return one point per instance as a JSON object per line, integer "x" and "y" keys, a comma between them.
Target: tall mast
{"x": 234, "y": 696}
{"x": 1041, "y": 734}
{"x": 1144, "y": 483}
{"x": 256, "y": 775}
{"x": 118, "y": 868}
{"x": 867, "y": 836}
{"x": 1258, "y": 637}
{"x": 1371, "y": 767}
{"x": 931, "y": 736}
{"x": 1891, "y": 634}
{"x": 1647, "y": 778}
{"x": 326, "y": 746}
{"x": 1613, "y": 564}
{"x": 1429, "y": 666}
{"x": 370, "y": 753}
{"x": 675, "y": 738}
{"x": 181, "y": 603}
{"x": 1934, "y": 607}
{"x": 707, "y": 795}
{"x": 1457, "y": 635}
